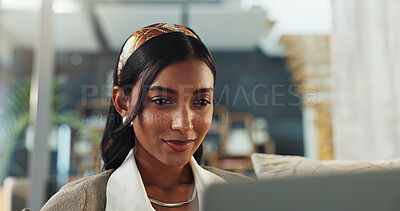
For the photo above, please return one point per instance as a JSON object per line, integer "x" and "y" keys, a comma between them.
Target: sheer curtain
{"x": 365, "y": 60}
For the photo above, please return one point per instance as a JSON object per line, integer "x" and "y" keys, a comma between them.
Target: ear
{"x": 120, "y": 100}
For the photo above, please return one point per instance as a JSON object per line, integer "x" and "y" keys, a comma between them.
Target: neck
{"x": 155, "y": 173}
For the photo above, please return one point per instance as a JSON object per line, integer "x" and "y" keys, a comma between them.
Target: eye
{"x": 161, "y": 101}
{"x": 202, "y": 102}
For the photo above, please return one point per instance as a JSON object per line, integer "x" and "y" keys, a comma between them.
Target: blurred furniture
{"x": 85, "y": 157}
{"x": 85, "y": 153}
{"x": 15, "y": 193}
{"x": 308, "y": 60}
{"x": 2, "y": 205}
{"x": 229, "y": 142}
{"x": 236, "y": 153}
{"x": 269, "y": 166}
{"x": 217, "y": 136}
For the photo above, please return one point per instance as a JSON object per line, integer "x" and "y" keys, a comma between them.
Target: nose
{"x": 182, "y": 120}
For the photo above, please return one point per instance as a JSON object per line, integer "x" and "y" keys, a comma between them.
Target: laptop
{"x": 368, "y": 191}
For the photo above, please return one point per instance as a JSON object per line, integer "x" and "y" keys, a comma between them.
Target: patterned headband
{"x": 144, "y": 34}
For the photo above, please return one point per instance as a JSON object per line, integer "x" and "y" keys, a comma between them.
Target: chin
{"x": 176, "y": 161}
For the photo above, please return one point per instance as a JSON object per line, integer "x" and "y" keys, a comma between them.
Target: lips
{"x": 179, "y": 145}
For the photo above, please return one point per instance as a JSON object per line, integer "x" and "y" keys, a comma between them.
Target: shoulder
{"x": 227, "y": 175}
{"x": 88, "y": 193}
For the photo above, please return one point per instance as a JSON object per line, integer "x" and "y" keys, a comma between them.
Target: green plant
{"x": 14, "y": 121}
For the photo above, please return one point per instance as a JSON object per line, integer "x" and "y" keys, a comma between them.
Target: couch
{"x": 268, "y": 166}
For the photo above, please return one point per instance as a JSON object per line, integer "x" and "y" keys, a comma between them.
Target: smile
{"x": 179, "y": 145}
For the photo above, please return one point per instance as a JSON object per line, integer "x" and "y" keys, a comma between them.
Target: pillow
{"x": 278, "y": 166}
{"x": 268, "y": 166}
{"x": 363, "y": 166}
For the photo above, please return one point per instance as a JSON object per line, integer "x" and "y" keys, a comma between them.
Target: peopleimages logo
{"x": 227, "y": 95}
{"x": 264, "y": 95}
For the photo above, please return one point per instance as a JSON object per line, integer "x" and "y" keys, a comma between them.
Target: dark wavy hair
{"x": 147, "y": 60}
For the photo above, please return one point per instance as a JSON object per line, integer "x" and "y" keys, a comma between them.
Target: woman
{"x": 160, "y": 112}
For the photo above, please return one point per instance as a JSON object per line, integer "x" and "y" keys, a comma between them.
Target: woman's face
{"x": 177, "y": 114}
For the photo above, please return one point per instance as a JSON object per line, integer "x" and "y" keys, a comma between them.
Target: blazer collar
{"x": 125, "y": 188}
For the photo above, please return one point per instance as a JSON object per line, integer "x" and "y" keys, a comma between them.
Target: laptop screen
{"x": 361, "y": 191}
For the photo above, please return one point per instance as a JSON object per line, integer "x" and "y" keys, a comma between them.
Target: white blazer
{"x": 125, "y": 188}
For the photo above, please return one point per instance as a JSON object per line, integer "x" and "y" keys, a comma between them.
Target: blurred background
{"x": 314, "y": 78}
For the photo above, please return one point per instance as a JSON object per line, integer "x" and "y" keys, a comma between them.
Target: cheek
{"x": 150, "y": 123}
{"x": 154, "y": 119}
{"x": 202, "y": 121}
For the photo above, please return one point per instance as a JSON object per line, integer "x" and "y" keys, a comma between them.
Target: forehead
{"x": 190, "y": 74}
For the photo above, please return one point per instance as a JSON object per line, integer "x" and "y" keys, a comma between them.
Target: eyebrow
{"x": 165, "y": 89}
